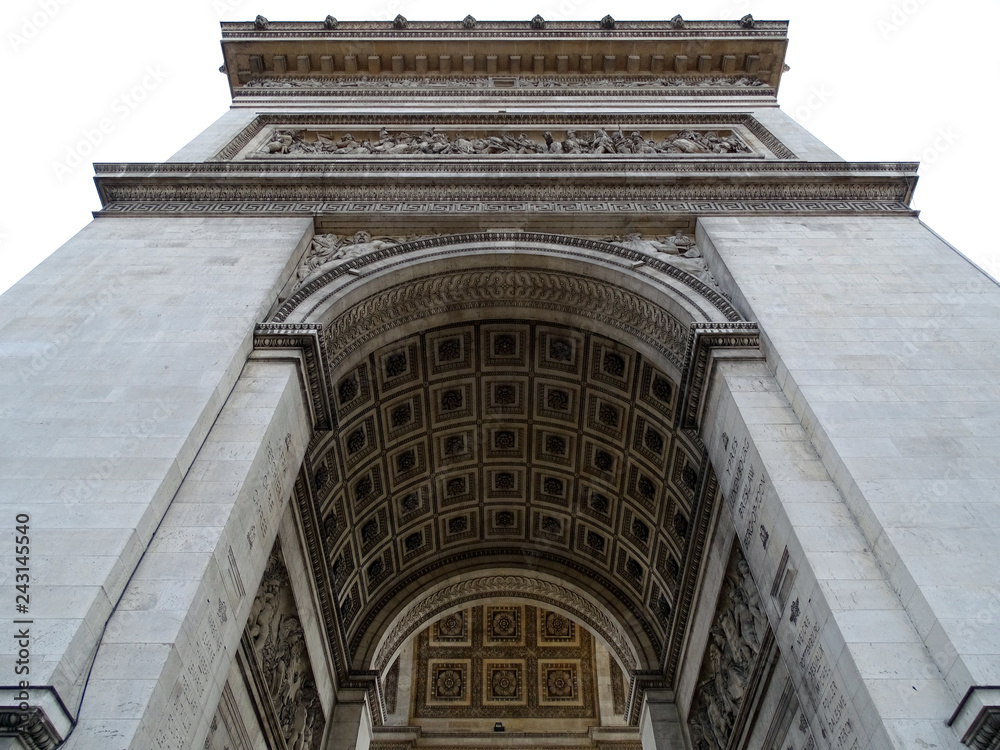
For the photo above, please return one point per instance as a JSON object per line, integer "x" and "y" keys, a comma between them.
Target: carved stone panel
{"x": 429, "y": 142}
{"x": 738, "y": 631}
{"x": 279, "y": 644}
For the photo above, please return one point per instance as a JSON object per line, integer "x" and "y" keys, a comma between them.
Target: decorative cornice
{"x": 339, "y": 192}
{"x": 984, "y": 732}
{"x": 539, "y": 48}
{"x": 31, "y": 727}
{"x": 702, "y": 166}
{"x": 742, "y": 338}
{"x": 488, "y": 29}
{"x": 307, "y": 337}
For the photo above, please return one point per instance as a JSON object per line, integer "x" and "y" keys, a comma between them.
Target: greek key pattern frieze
{"x": 269, "y": 207}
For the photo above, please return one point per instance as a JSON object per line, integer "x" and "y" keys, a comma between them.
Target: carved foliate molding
{"x": 502, "y": 287}
{"x": 473, "y": 589}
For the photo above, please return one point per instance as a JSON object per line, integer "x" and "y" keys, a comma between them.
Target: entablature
{"x": 473, "y": 58}
{"x": 519, "y": 184}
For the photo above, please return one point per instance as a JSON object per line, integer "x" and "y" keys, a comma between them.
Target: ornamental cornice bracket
{"x": 708, "y": 344}
{"x": 640, "y": 683}
{"x": 309, "y": 340}
{"x": 36, "y": 716}
{"x": 984, "y": 733}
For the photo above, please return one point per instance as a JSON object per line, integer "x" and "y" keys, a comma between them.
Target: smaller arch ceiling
{"x": 508, "y": 431}
{"x": 525, "y": 660}
{"x": 548, "y": 593}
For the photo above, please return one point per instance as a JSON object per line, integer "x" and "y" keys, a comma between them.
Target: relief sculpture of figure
{"x": 430, "y": 142}
{"x": 326, "y": 249}
{"x": 678, "y": 250}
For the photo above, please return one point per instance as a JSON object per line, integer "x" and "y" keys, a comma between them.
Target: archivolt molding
{"x": 423, "y": 610}
{"x": 562, "y": 292}
{"x": 303, "y": 303}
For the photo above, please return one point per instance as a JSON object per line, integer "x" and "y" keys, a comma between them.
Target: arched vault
{"x": 506, "y": 414}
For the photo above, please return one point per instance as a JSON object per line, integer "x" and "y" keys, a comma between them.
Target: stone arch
{"x": 385, "y": 307}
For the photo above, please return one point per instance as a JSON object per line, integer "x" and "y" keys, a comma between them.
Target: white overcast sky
{"x": 875, "y": 80}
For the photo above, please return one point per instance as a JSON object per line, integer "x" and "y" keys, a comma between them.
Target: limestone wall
{"x": 883, "y": 345}
{"x": 116, "y": 357}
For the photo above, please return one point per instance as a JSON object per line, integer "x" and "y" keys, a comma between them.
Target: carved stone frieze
{"x": 173, "y": 206}
{"x": 328, "y": 250}
{"x": 279, "y": 644}
{"x": 517, "y": 123}
{"x": 798, "y": 194}
{"x": 678, "y": 250}
{"x": 738, "y": 632}
{"x": 430, "y": 142}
